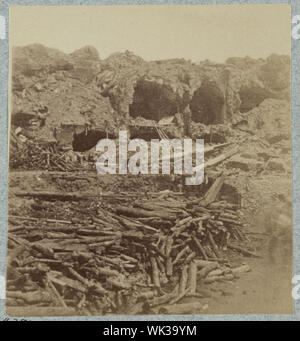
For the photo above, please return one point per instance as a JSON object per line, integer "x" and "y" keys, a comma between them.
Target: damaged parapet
{"x": 214, "y": 92}
{"x": 83, "y": 88}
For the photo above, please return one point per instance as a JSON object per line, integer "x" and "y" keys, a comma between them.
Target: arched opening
{"x": 154, "y": 101}
{"x": 87, "y": 140}
{"x": 22, "y": 119}
{"x": 207, "y": 104}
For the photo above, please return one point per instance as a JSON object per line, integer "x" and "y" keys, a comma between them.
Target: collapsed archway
{"x": 22, "y": 119}
{"x": 87, "y": 140}
{"x": 207, "y": 104}
{"x": 153, "y": 100}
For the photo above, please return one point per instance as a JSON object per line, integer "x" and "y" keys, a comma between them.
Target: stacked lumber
{"x": 33, "y": 156}
{"x": 119, "y": 256}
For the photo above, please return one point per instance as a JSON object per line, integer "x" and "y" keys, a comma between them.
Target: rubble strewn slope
{"x": 80, "y": 88}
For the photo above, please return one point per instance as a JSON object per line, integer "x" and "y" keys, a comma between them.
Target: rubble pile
{"x": 81, "y": 88}
{"x": 123, "y": 255}
{"x": 47, "y": 80}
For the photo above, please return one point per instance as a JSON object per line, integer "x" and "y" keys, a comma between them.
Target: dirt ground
{"x": 266, "y": 289}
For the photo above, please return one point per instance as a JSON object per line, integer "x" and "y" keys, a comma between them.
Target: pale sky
{"x": 199, "y": 32}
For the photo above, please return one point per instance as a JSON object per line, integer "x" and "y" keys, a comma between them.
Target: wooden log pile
{"x": 33, "y": 156}
{"x": 119, "y": 256}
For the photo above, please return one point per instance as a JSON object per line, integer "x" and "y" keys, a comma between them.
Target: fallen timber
{"x": 47, "y": 195}
{"x": 119, "y": 259}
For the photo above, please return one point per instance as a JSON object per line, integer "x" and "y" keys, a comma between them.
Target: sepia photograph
{"x": 150, "y": 160}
